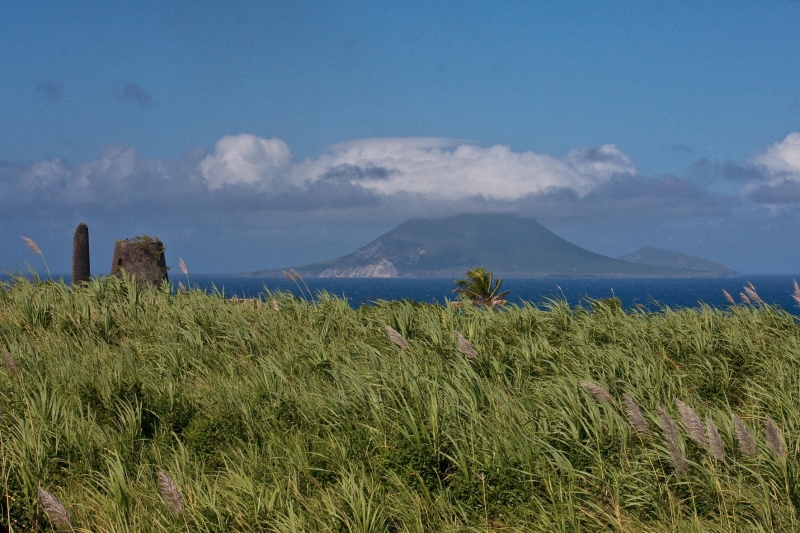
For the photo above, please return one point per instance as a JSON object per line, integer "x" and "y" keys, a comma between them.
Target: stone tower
{"x": 142, "y": 257}
{"x": 80, "y": 255}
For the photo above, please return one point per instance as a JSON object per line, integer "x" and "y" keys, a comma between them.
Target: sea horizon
{"x": 644, "y": 293}
{"x": 652, "y": 293}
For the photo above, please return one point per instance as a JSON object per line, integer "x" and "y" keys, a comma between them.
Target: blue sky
{"x": 250, "y": 135}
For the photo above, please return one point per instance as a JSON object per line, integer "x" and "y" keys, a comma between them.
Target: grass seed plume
{"x": 635, "y": 415}
{"x": 676, "y": 458}
{"x": 715, "y": 443}
{"x": 692, "y": 424}
{"x": 56, "y": 513}
{"x": 744, "y": 439}
{"x": 597, "y": 392}
{"x": 465, "y": 347}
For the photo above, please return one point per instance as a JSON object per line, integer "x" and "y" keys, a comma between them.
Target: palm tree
{"x": 478, "y": 288}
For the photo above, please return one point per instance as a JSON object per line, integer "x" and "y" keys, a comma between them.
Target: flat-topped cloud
{"x": 439, "y": 169}
{"x": 246, "y": 173}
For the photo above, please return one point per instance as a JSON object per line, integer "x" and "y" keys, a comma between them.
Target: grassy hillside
{"x": 310, "y": 419}
{"x": 508, "y": 244}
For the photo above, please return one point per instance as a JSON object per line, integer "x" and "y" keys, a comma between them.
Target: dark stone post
{"x": 80, "y": 255}
{"x": 142, "y": 257}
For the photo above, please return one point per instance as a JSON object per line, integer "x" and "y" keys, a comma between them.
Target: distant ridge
{"x": 509, "y": 245}
{"x": 648, "y": 255}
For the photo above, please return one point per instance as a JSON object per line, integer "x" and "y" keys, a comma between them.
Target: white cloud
{"x": 245, "y": 158}
{"x": 437, "y": 172}
{"x": 44, "y": 174}
{"x": 113, "y": 170}
{"x": 246, "y": 172}
{"x": 782, "y": 159}
{"x": 439, "y": 169}
{"x": 427, "y": 167}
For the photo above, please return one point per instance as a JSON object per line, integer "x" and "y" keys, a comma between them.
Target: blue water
{"x": 652, "y": 293}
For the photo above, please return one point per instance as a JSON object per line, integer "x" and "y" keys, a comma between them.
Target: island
{"x": 511, "y": 246}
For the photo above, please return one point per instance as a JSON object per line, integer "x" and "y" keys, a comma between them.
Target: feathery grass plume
{"x": 676, "y": 458}
{"x": 796, "y": 293}
{"x": 293, "y": 275}
{"x": 395, "y": 337}
{"x": 745, "y": 440}
{"x": 693, "y": 424}
{"x": 56, "y": 513}
{"x": 184, "y": 270}
{"x": 181, "y": 288}
{"x": 35, "y": 249}
{"x": 715, "y": 444}
{"x": 275, "y": 306}
{"x": 751, "y": 293}
{"x": 635, "y": 416}
{"x": 298, "y": 276}
{"x": 10, "y": 364}
{"x": 597, "y": 392}
{"x": 170, "y": 494}
{"x": 465, "y": 347}
{"x": 745, "y": 299}
{"x": 31, "y": 245}
{"x": 774, "y": 438}
{"x": 728, "y": 297}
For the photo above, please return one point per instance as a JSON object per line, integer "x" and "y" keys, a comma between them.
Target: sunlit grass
{"x": 310, "y": 418}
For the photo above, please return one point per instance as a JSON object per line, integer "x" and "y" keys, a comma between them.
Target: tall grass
{"x": 144, "y": 410}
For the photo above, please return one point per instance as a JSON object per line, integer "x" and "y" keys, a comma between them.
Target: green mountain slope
{"x": 509, "y": 245}
{"x": 648, "y": 255}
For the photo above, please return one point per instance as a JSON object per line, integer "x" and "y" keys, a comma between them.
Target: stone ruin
{"x": 142, "y": 257}
{"x": 80, "y": 255}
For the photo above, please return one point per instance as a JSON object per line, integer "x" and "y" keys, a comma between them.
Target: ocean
{"x": 653, "y": 293}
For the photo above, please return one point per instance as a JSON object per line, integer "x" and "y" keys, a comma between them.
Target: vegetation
{"x": 143, "y": 410}
{"x": 478, "y": 287}
{"x": 141, "y": 239}
{"x": 151, "y": 246}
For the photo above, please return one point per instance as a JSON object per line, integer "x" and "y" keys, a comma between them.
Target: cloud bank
{"x": 770, "y": 179}
{"x": 246, "y": 173}
{"x": 247, "y": 183}
{"x": 438, "y": 169}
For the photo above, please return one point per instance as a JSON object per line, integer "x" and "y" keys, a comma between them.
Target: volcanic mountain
{"x": 509, "y": 245}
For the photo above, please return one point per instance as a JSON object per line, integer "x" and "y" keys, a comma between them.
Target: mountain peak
{"x": 507, "y": 244}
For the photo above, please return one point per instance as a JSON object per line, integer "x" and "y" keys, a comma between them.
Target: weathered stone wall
{"x": 142, "y": 257}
